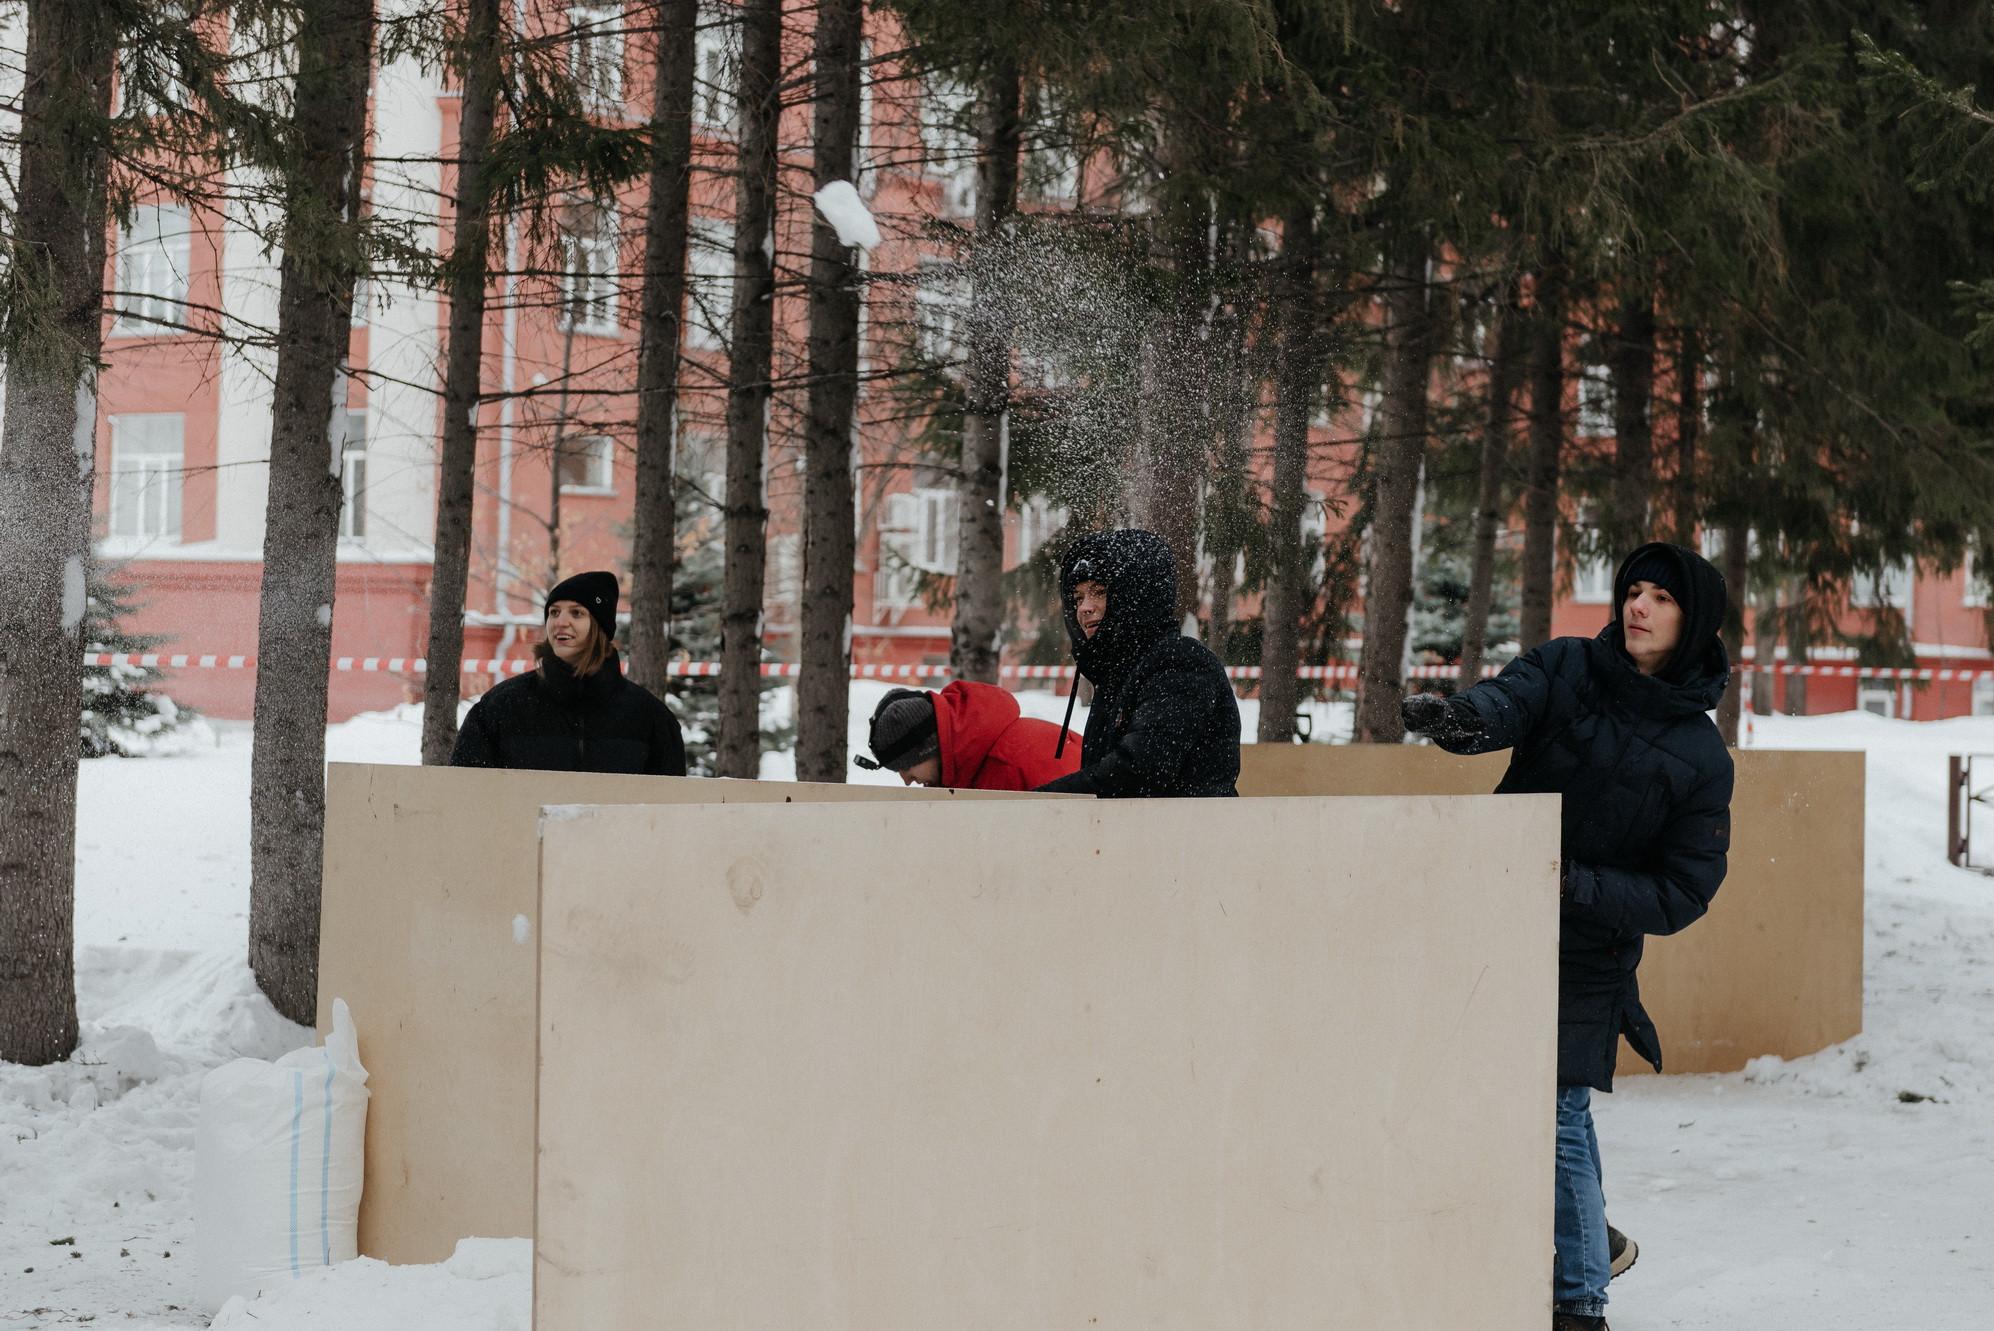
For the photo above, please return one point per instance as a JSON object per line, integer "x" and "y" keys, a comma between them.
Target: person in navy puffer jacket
{"x": 1619, "y": 726}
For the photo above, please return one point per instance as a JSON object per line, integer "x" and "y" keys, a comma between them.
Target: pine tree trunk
{"x": 979, "y": 576}
{"x": 47, "y": 463}
{"x": 1489, "y": 508}
{"x": 654, "y": 539}
{"x": 823, "y": 693}
{"x": 1632, "y": 370}
{"x": 1689, "y": 426}
{"x": 1297, "y": 380}
{"x": 1547, "y": 444}
{"x": 753, "y": 314}
{"x": 301, "y": 529}
{"x": 1396, "y": 466}
{"x": 462, "y": 376}
{"x": 1736, "y": 567}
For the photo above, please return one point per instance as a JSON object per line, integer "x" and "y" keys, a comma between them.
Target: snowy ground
{"x": 1804, "y": 1196}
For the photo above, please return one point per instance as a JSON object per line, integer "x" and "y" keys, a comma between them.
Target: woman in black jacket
{"x": 1164, "y": 720}
{"x": 575, "y": 712}
{"x": 1618, "y": 726}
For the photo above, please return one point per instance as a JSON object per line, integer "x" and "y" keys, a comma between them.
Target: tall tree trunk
{"x": 1505, "y": 354}
{"x": 1547, "y": 445}
{"x": 462, "y": 375}
{"x": 1632, "y": 370}
{"x": 1736, "y": 558}
{"x": 654, "y": 540}
{"x": 738, "y": 753}
{"x": 1689, "y": 426}
{"x": 1297, "y": 380}
{"x": 301, "y": 529}
{"x": 1396, "y": 466}
{"x": 48, "y": 458}
{"x": 823, "y": 693}
{"x": 979, "y": 573}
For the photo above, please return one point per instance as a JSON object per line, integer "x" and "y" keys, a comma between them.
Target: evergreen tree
{"x": 124, "y": 715}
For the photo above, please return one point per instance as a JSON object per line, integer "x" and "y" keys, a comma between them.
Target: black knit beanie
{"x": 903, "y": 730}
{"x": 1655, "y": 566}
{"x": 595, "y": 592}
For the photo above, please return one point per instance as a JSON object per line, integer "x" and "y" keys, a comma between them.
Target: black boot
{"x": 1574, "y": 1322}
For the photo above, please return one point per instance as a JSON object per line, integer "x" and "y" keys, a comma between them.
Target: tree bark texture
{"x": 47, "y": 462}
{"x": 1632, "y": 370}
{"x": 654, "y": 538}
{"x": 823, "y": 691}
{"x": 1689, "y": 428}
{"x": 1297, "y": 380}
{"x": 1737, "y": 543}
{"x": 1547, "y": 446}
{"x": 1490, "y": 509}
{"x": 979, "y": 575}
{"x": 301, "y": 528}
{"x": 1396, "y": 464}
{"x": 738, "y": 753}
{"x": 463, "y": 372}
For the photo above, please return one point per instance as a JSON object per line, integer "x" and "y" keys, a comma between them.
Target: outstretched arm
{"x": 1497, "y": 713}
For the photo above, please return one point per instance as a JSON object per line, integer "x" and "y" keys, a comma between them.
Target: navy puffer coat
{"x": 1165, "y": 720}
{"x": 1646, "y": 781}
{"x": 554, "y": 721}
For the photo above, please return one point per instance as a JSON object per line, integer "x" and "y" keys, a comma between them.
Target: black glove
{"x": 1438, "y": 718}
{"x": 1423, "y": 713}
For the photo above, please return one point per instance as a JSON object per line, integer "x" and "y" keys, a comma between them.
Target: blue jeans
{"x": 1582, "y": 1266}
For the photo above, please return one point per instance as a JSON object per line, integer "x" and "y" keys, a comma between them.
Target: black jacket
{"x": 554, "y": 722}
{"x": 1646, "y": 781}
{"x": 1164, "y": 720}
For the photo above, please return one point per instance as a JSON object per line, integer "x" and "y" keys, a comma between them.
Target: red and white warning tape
{"x": 406, "y": 665}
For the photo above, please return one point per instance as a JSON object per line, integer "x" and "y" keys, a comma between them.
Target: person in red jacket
{"x": 968, "y": 737}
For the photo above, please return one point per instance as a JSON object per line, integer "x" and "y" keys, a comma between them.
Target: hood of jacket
{"x": 969, "y": 718}
{"x": 1699, "y": 669}
{"x": 1141, "y": 577}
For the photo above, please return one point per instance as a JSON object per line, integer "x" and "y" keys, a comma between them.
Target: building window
{"x": 595, "y": 56}
{"x": 938, "y": 309}
{"x": 785, "y": 580}
{"x": 1972, "y": 580}
{"x": 716, "y": 67}
{"x": 588, "y": 296}
{"x": 153, "y": 88}
{"x": 1039, "y": 520}
{"x": 917, "y": 535}
{"x": 153, "y": 254}
{"x": 709, "y": 286}
{"x": 148, "y": 454}
{"x": 947, "y": 145}
{"x": 588, "y": 464}
{"x": 1888, "y": 587}
{"x": 1595, "y": 403}
{"x": 1876, "y": 695}
{"x": 1983, "y": 695}
{"x": 1592, "y": 581}
{"x": 353, "y": 478}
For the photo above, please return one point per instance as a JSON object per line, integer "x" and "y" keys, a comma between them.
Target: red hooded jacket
{"x": 987, "y": 745}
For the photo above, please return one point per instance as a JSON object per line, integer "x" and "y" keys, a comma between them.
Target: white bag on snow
{"x": 278, "y": 1165}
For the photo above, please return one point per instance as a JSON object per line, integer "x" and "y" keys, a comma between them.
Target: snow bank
{"x": 486, "y": 1285}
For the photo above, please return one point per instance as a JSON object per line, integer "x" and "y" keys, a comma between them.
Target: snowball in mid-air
{"x": 841, "y": 206}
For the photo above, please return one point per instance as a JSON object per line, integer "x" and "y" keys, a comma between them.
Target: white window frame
{"x": 1893, "y": 586}
{"x": 948, "y": 151}
{"x": 595, "y": 56}
{"x": 597, "y": 453}
{"x": 1595, "y": 403}
{"x": 1973, "y": 589}
{"x": 1039, "y": 521}
{"x": 591, "y": 270}
{"x": 938, "y": 311}
{"x": 709, "y": 288}
{"x": 353, "y": 479}
{"x": 154, "y": 255}
{"x": 1879, "y": 696}
{"x": 1983, "y": 695}
{"x": 716, "y": 63}
{"x": 1592, "y": 581}
{"x": 146, "y": 476}
{"x": 151, "y": 106}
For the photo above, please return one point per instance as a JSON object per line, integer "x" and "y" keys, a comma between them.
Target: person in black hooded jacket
{"x": 1164, "y": 720}
{"x": 1618, "y": 726}
{"x": 575, "y": 712}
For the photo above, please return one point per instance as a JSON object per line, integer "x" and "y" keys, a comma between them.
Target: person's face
{"x": 1652, "y": 622}
{"x": 568, "y": 630}
{"x": 927, "y": 772}
{"x": 1090, "y": 606}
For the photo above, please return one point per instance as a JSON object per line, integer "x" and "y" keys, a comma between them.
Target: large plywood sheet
{"x": 429, "y": 932}
{"x": 1168, "y": 1064}
{"x": 1774, "y": 968}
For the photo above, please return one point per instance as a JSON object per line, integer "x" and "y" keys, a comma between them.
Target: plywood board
{"x": 1169, "y": 1064}
{"x": 429, "y": 931}
{"x": 1774, "y": 968}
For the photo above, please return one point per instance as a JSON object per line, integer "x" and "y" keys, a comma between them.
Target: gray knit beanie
{"x": 902, "y": 733}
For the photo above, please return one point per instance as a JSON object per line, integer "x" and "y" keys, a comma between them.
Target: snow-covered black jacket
{"x": 555, "y": 722}
{"x": 1646, "y": 781}
{"x": 1164, "y": 719}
